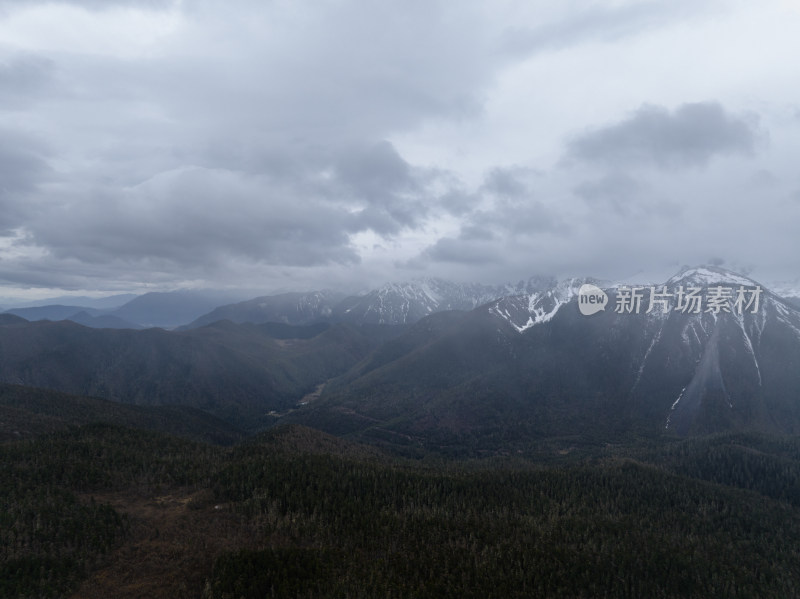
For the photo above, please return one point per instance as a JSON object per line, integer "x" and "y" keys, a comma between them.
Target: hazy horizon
{"x": 790, "y": 288}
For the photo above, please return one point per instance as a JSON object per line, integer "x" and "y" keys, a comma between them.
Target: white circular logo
{"x": 591, "y": 299}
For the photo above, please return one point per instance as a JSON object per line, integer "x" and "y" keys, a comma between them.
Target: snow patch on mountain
{"x": 674, "y": 405}
{"x": 525, "y": 311}
{"x": 656, "y": 338}
{"x": 748, "y": 343}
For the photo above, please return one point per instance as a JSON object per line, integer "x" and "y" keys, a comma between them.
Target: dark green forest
{"x": 293, "y": 512}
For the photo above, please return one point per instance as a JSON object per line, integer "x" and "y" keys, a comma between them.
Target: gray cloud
{"x": 470, "y": 252}
{"x": 516, "y": 209}
{"x": 507, "y": 182}
{"x": 626, "y": 197}
{"x": 303, "y": 110}
{"x": 476, "y": 232}
{"x": 524, "y": 218}
{"x": 375, "y": 171}
{"x": 381, "y": 190}
{"x": 762, "y": 178}
{"x": 384, "y": 183}
{"x": 269, "y": 152}
{"x": 201, "y": 219}
{"x": 23, "y": 78}
{"x": 22, "y": 168}
{"x": 349, "y": 72}
{"x": 255, "y": 141}
{"x": 513, "y": 217}
{"x": 90, "y": 4}
{"x": 598, "y": 23}
{"x": 487, "y": 237}
{"x": 195, "y": 217}
{"x": 458, "y": 201}
{"x": 22, "y": 161}
{"x": 688, "y": 137}
{"x": 615, "y": 190}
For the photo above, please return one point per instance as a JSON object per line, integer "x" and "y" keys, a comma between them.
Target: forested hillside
{"x": 104, "y": 511}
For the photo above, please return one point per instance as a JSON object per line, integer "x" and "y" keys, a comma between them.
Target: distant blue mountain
{"x": 173, "y": 308}
{"x": 53, "y": 312}
{"x": 97, "y": 303}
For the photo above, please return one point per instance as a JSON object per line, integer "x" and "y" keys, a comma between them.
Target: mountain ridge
{"x": 394, "y": 303}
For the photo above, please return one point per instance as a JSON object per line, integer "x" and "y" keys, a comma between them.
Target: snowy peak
{"x": 722, "y": 362}
{"x": 407, "y": 302}
{"x": 522, "y": 305}
{"x": 698, "y": 362}
{"x": 709, "y": 276}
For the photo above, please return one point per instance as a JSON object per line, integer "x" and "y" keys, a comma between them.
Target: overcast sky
{"x": 302, "y": 145}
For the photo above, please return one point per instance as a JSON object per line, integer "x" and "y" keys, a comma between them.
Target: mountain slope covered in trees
{"x": 106, "y": 511}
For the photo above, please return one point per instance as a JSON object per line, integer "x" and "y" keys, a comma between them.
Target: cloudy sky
{"x": 300, "y": 145}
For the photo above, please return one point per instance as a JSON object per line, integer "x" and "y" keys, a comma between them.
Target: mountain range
{"x": 155, "y": 309}
{"x": 391, "y": 304}
{"x": 577, "y": 396}
{"x": 447, "y": 364}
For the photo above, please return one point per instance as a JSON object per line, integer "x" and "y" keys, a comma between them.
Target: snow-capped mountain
{"x": 731, "y": 363}
{"x": 523, "y": 304}
{"x": 526, "y": 310}
{"x": 707, "y": 350}
{"x": 698, "y": 340}
{"x": 406, "y": 303}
